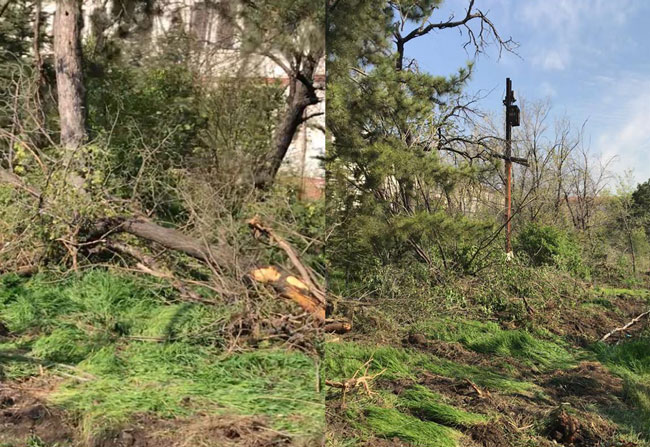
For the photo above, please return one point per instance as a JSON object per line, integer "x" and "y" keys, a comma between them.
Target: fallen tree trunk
{"x": 137, "y": 226}
{"x": 305, "y": 292}
{"x": 167, "y": 237}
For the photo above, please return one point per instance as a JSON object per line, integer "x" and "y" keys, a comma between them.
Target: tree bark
{"x": 69, "y": 75}
{"x": 301, "y": 95}
{"x": 151, "y": 231}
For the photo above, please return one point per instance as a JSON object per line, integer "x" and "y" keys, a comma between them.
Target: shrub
{"x": 547, "y": 245}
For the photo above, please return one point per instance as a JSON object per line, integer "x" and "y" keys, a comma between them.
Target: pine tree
{"x": 392, "y": 128}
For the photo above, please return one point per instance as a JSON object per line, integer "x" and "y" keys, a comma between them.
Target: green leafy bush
{"x": 548, "y": 245}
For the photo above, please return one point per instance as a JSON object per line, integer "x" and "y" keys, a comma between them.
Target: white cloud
{"x": 570, "y": 28}
{"x": 626, "y": 135}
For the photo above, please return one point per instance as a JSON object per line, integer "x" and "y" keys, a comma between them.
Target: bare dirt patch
{"x": 589, "y": 382}
{"x": 584, "y": 326}
{"x": 493, "y": 434}
{"x": 24, "y": 415}
{"x": 226, "y": 431}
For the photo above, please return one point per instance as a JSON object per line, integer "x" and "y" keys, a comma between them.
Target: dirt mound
{"x": 492, "y": 434}
{"x": 24, "y": 416}
{"x": 577, "y": 429}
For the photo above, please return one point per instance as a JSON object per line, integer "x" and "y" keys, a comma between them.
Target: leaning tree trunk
{"x": 302, "y": 94}
{"x": 69, "y": 76}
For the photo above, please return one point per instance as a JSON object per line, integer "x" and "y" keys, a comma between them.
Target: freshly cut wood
{"x": 307, "y": 276}
{"x": 292, "y": 288}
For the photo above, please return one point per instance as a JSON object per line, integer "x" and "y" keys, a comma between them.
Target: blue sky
{"x": 591, "y": 58}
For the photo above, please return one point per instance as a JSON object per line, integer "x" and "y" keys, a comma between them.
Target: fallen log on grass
{"x": 305, "y": 291}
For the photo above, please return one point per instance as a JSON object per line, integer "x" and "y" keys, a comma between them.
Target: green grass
{"x": 490, "y": 338}
{"x": 178, "y": 380}
{"x": 616, "y": 292}
{"x": 342, "y": 360}
{"x": 432, "y": 407}
{"x": 390, "y": 423}
{"x": 631, "y": 361}
{"x": 135, "y": 350}
{"x": 416, "y": 415}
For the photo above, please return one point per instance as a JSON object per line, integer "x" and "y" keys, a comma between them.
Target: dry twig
{"x": 354, "y": 382}
{"x": 622, "y": 328}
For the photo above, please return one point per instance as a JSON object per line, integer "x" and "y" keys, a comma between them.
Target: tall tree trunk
{"x": 39, "y": 114}
{"x": 69, "y": 76}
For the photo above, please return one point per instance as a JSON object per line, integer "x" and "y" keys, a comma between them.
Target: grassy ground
{"x": 109, "y": 350}
{"x": 453, "y": 381}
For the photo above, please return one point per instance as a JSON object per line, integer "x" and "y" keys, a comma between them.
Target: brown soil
{"x": 24, "y": 415}
{"x": 586, "y": 325}
{"x": 203, "y": 430}
{"x": 588, "y": 383}
{"x": 493, "y": 434}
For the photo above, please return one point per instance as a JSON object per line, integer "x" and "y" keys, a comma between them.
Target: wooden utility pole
{"x": 512, "y": 120}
